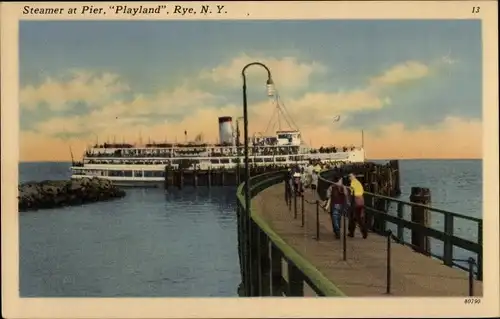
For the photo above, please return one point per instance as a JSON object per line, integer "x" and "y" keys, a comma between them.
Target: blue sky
{"x": 343, "y": 56}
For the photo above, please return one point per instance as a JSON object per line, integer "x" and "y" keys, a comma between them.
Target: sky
{"x": 414, "y": 87}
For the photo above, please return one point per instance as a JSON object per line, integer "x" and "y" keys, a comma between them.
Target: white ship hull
{"x": 134, "y": 174}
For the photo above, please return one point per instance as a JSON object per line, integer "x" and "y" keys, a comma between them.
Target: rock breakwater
{"x": 51, "y": 194}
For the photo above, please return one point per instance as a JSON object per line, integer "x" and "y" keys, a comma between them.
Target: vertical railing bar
{"x": 303, "y": 211}
{"x": 317, "y": 219}
{"x": 448, "y": 243}
{"x": 471, "y": 263}
{"x": 388, "y": 265}
{"x": 295, "y": 280}
{"x": 251, "y": 257}
{"x": 246, "y": 251}
{"x": 295, "y": 206}
{"x": 344, "y": 233}
{"x": 276, "y": 271}
{"x": 480, "y": 252}
{"x": 259, "y": 260}
{"x": 400, "y": 213}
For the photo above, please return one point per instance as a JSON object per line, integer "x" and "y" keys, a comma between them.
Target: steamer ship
{"x": 128, "y": 164}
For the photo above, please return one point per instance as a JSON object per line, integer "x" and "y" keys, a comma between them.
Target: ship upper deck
{"x": 209, "y": 151}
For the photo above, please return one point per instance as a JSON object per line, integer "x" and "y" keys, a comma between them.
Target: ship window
{"x": 137, "y": 173}
{"x": 258, "y": 160}
{"x": 235, "y": 160}
{"x": 127, "y": 173}
{"x": 214, "y": 161}
{"x": 115, "y": 173}
{"x": 224, "y": 160}
{"x": 158, "y": 174}
{"x": 268, "y": 160}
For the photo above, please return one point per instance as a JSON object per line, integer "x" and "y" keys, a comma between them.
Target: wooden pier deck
{"x": 364, "y": 271}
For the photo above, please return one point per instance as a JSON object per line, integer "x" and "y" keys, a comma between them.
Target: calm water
{"x": 183, "y": 243}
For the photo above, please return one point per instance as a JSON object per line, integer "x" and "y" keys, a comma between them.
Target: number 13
{"x": 475, "y": 9}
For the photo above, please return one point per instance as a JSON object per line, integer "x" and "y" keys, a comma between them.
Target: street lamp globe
{"x": 271, "y": 90}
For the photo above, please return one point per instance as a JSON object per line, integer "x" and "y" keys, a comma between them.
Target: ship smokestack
{"x": 226, "y": 130}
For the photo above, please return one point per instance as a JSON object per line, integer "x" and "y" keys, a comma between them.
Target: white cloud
{"x": 173, "y": 102}
{"x": 404, "y": 72}
{"x": 193, "y": 109}
{"x": 62, "y": 125}
{"x": 314, "y": 109}
{"x": 287, "y": 72}
{"x": 82, "y": 86}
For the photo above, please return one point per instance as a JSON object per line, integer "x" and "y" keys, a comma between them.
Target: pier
{"x": 288, "y": 249}
{"x": 180, "y": 178}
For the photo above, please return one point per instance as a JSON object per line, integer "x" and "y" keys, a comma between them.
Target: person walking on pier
{"x": 337, "y": 195}
{"x": 314, "y": 179}
{"x": 288, "y": 186}
{"x": 357, "y": 213}
{"x": 297, "y": 183}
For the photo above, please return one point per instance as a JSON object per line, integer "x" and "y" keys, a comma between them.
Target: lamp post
{"x": 270, "y": 91}
{"x": 238, "y": 153}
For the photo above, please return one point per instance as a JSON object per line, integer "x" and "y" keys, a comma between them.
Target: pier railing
{"x": 410, "y": 228}
{"x": 262, "y": 252}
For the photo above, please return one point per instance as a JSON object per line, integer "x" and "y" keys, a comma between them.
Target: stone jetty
{"x": 51, "y": 194}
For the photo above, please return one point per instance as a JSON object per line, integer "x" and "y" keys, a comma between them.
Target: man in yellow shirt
{"x": 357, "y": 213}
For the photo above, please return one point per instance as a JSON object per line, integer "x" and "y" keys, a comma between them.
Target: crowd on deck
{"x": 208, "y": 152}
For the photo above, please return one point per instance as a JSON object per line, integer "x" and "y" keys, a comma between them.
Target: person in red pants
{"x": 337, "y": 201}
{"x": 357, "y": 211}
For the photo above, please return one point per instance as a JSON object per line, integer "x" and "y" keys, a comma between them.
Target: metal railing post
{"x": 317, "y": 219}
{"x": 448, "y": 243}
{"x": 295, "y": 206}
{"x": 479, "y": 263}
{"x": 303, "y": 210}
{"x": 295, "y": 281}
{"x": 400, "y": 226}
{"x": 389, "y": 239}
{"x": 471, "y": 263}
{"x": 344, "y": 234}
{"x": 276, "y": 271}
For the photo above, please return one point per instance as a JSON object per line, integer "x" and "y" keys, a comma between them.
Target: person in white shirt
{"x": 314, "y": 180}
{"x": 297, "y": 183}
{"x": 304, "y": 178}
